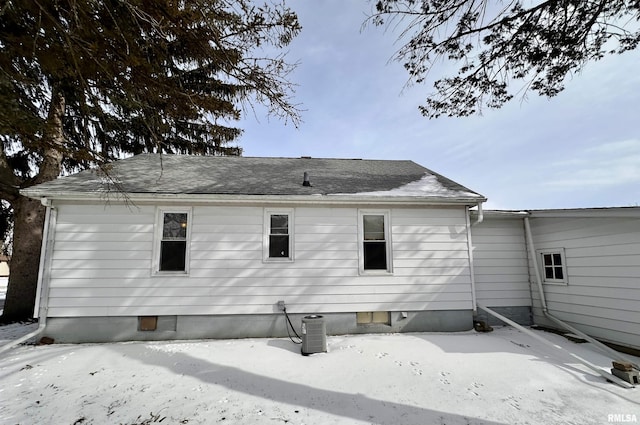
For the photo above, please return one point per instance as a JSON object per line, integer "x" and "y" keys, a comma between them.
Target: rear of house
{"x": 588, "y": 261}
{"x": 205, "y": 247}
{"x": 208, "y": 247}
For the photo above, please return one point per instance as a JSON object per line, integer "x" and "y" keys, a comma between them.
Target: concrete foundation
{"x": 116, "y": 329}
{"x": 520, "y": 315}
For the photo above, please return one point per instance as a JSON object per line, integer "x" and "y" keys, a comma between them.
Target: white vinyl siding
{"x": 103, "y": 254}
{"x": 603, "y": 267}
{"x": 500, "y": 263}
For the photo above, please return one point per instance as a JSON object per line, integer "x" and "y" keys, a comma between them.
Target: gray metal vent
{"x": 314, "y": 335}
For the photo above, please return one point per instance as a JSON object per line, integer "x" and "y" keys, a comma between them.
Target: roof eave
{"x": 235, "y": 198}
{"x": 609, "y": 212}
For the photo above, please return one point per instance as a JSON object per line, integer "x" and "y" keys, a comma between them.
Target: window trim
{"x": 268, "y": 212}
{"x": 160, "y": 212}
{"x": 550, "y": 251}
{"x": 387, "y": 239}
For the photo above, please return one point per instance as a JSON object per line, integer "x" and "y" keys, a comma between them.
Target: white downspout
{"x": 534, "y": 258}
{"x": 42, "y": 292}
{"x": 611, "y": 352}
{"x": 471, "y": 269}
{"x": 480, "y": 217}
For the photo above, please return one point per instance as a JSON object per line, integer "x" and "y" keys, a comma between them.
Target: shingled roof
{"x": 216, "y": 175}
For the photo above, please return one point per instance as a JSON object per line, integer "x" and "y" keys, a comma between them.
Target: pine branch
{"x": 9, "y": 182}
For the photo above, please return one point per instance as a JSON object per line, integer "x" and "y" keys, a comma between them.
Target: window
{"x": 157, "y": 323}
{"x": 375, "y": 252}
{"x": 173, "y": 234}
{"x": 553, "y": 266}
{"x": 373, "y": 318}
{"x": 278, "y": 239}
{"x": 147, "y": 323}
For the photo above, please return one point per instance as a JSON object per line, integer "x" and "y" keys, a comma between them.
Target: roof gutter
{"x": 341, "y": 199}
{"x": 612, "y": 212}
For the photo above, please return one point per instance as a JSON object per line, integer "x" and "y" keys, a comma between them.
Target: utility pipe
{"x": 609, "y": 351}
{"x": 590, "y": 365}
{"x": 42, "y": 295}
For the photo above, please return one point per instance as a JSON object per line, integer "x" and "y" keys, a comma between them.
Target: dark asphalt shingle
{"x": 188, "y": 174}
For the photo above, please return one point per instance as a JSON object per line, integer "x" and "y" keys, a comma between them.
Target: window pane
{"x": 375, "y": 256}
{"x": 547, "y": 259}
{"x": 548, "y": 272}
{"x": 559, "y": 274}
{"x": 279, "y": 224}
{"x": 279, "y": 246}
{"x": 172, "y": 255}
{"x": 381, "y": 317}
{"x": 373, "y": 227}
{"x": 557, "y": 260}
{"x": 363, "y": 317}
{"x": 174, "y": 226}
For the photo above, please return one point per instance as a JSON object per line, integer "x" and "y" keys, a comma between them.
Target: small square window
{"x": 147, "y": 323}
{"x": 553, "y": 266}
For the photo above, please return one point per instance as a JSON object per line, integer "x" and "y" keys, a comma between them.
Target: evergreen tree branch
{"x": 9, "y": 182}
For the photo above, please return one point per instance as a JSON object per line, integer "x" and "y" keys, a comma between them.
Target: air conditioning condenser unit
{"x": 314, "y": 335}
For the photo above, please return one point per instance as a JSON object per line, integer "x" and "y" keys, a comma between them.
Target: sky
{"x": 579, "y": 149}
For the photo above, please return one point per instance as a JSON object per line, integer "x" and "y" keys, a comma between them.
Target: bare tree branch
{"x": 494, "y": 46}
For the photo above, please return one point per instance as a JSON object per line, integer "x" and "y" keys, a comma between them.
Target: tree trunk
{"x": 29, "y": 217}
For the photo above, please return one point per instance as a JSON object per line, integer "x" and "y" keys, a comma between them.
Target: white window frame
{"x": 550, "y": 251}
{"x": 387, "y": 238}
{"x": 160, "y": 212}
{"x": 268, "y": 212}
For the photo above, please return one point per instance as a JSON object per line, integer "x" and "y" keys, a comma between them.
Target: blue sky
{"x": 579, "y": 149}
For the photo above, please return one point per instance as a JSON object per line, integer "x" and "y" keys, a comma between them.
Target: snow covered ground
{"x": 503, "y": 377}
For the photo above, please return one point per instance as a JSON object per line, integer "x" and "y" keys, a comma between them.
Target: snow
{"x": 428, "y": 185}
{"x": 503, "y": 377}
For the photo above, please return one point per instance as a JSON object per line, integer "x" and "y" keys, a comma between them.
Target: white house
{"x": 202, "y": 247}
{"x": 176, "y": 247}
